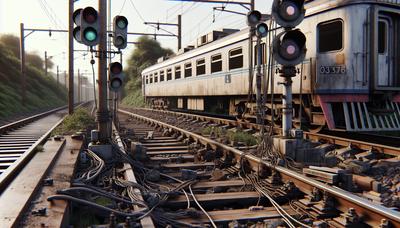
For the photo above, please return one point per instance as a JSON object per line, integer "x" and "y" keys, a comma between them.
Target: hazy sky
{"x": 197, "y": 20}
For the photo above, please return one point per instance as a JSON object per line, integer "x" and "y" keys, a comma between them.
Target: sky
{"x": 197, "y": 19}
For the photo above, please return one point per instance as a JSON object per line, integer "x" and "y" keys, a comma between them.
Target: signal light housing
{"x": 120, "y": 32}
{"x": 76, "y": 16}
{"x": 289, "y": 47}
{"x": 261, "y": 30}
{"x": 115, "y": 76}
{"x": 288, "y": 13}
{"x": 253, "y": 18}
{"x": 89, "y": 26}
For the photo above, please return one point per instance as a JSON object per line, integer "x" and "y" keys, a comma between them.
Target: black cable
{"x": 94, "y": 205}
{"x": 68, "y": 191}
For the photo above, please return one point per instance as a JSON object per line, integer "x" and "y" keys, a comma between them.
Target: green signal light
{"x": 116, "y": 83}
{"x": 121, "y": 24}
{"x": 90, "y": 34}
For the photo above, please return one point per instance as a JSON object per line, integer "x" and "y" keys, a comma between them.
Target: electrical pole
{"x": 178, "y": 25}
{"x": 58, "y": 79}
{"x": 71, "y": 57}
{"x": 22, "y": 57}
{"x": 45, "y": 62}
{"x": 102, "y": 112}
{"x": 65, "y": 79}
{"x": 179, "y": 32}
{"x": 79, "y": 87}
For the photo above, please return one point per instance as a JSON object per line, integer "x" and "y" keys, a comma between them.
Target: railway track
{"x": 20, "y": 140}
{"x": 228, "y": 186}
{"x": 361, "y": 142}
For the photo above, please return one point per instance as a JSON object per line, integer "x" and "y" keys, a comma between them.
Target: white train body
{"x": 350, "y": 78}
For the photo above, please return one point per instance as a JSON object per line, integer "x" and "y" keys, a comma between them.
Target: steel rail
{"x": 17, "y": 165}
{"x": 385, "y": 149}
{"x": 372, "y": 213}
{"x": 18, "y": 123}
{"x": 13, "y": 169}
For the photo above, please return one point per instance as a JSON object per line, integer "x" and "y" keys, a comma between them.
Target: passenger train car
{"x": 350, "y": 78}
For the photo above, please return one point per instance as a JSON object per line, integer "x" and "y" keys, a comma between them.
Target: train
{"x": 349, "y": 79}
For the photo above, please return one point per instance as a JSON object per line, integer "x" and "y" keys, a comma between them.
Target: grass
{"x": 133, "y": 94}
{"x": 41, "y": 91}
{"x": 79, "y": 120}
{"x": 235, "y": 137}
{"x": 243, "y": 137}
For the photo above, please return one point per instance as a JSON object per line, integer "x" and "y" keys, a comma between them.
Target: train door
{"x": 385, "y": 52}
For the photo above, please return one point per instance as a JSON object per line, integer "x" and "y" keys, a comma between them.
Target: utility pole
{"x": 179, "y": 32}
{"x": 22, "y": 57}
{"x": 58, "y": 77}
{"x": 102, "y": 112}
{"x": 178, "y": 25}
{"x": 65, "y": 79}
{"x": 45, "y": 62}
{"x": 71, "y": 57}
{"x": 79, "y": 86}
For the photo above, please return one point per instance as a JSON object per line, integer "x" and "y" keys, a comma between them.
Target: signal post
{"x": 288, "y": 50}
{"x": 91, "y": 30}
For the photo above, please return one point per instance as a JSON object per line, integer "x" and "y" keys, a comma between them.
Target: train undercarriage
{"x": 311, "y": 113}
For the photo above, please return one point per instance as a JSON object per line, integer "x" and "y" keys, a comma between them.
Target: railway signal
{"x": 261, "y": 30}
{"x": 288, "y": 13}
{"x": 253, "y": 18}
{"x": 89, "y": 26}
{"x": 289, "y": 46}
{"x": 288, "y": 49}
{"x": 120, "y": 32}
{"x": 76, "y": 16}
{"x": 116, "y": 76}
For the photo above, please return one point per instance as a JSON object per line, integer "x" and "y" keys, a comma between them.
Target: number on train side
{"x": 332, "y": 69}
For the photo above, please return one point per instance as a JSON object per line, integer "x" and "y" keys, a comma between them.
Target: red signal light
{"x": 89, "y": 15}
{"x": 116, "y": 68}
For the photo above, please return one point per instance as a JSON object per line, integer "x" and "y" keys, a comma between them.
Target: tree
{"x": 146, "y": 53}
{"x": 12, "y": 42}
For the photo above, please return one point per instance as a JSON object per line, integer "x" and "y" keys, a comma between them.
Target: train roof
{"x": 312, "y": 7}
{"x": 232, "y": 38}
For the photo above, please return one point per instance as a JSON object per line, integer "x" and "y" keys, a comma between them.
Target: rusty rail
{"x": 373, "y": 213}
{"x": 395, "y": 151}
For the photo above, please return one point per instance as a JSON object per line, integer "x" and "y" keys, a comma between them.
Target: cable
{"x": 94, "y": 83}
{"x": 123, "y": 5}
{"x": 137, "y": 11}
{"x": 204, "y": 211}
{"x": 94, "y": 205}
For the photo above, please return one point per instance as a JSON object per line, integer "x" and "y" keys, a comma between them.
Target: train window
{"x": 216, "y": 63}
{"x": 177, "y": 72}
{"x": 161, "y": 75}
{"x": 151, "y": 79}
{"x": 382, "y": 28}
{"x": 188, "y": 70}
{"x": 147, "y": 79}
{"x": 155, "y": 77}
{"x": 169, "y": 74}
{"x": 262, "y": 54}
{"x": 235, "y": 59}
{"x": 330, "y": 36}
{"x": 201, "y": 67}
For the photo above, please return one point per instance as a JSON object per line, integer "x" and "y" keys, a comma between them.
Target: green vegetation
{"x": 233, "y": 136}
{"x": 146, "y": 53}
{"x": 243, "y": 137}
{"x": 79, "y": 120}
{"x": 41, "y": 91}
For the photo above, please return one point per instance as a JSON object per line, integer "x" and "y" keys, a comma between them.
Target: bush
{"x": 79, "y": 120}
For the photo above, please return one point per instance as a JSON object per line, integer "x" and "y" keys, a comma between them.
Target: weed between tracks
{"x": 236, "y": 137}
{"x": 79, "y": 120}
